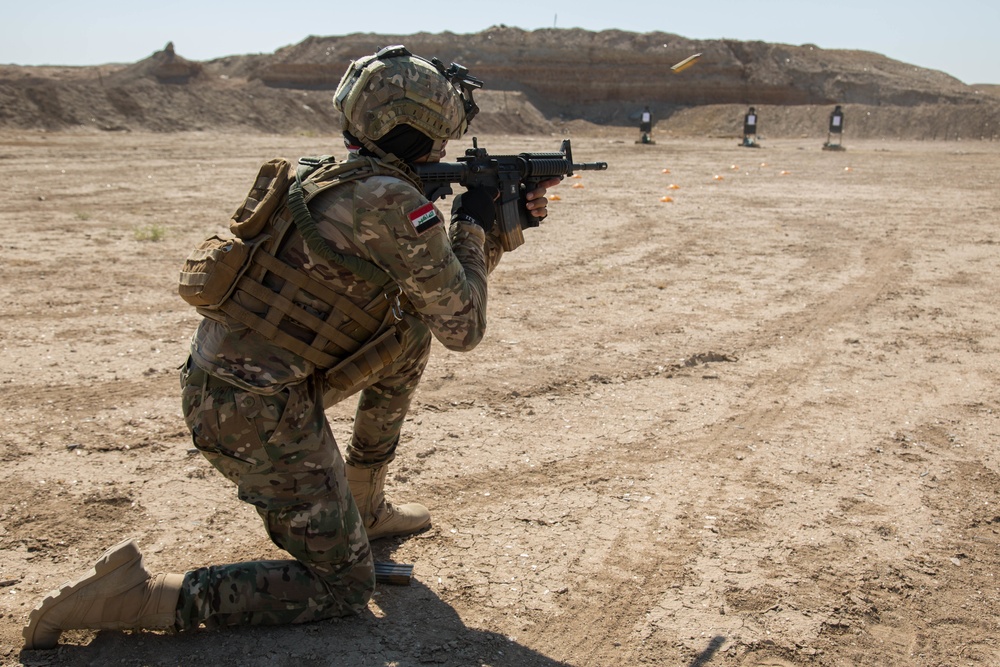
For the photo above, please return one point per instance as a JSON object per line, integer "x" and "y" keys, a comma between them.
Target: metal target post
{"x": 646, "y": 127}
{"x": 750, "y": 129}
{"x": 835, "y": 130}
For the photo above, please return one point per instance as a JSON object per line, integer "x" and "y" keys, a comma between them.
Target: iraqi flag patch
{"x": 424, "y": 218}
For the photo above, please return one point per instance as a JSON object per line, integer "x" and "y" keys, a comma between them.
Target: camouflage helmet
{"x": 393, "y": 87}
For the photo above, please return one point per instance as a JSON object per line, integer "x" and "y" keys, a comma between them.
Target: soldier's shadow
{"x": 405, "y": 626}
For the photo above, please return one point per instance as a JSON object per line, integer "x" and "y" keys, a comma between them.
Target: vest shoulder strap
{"x": 316, "y": 175}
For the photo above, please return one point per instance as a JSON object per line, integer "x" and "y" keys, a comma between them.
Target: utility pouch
{"x": 268, "y": 192}
{"x": 211, "y": 271}
{"x": 371, "y": 358}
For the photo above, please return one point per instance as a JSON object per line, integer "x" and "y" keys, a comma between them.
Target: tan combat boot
{"x": 118, "y": 593}
{"x": 380, "y": 517}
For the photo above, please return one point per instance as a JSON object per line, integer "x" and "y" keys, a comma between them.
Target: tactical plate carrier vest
{"x": 242, "y": 280}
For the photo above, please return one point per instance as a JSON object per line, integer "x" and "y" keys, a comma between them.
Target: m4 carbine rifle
{"x": 513, "y": 175}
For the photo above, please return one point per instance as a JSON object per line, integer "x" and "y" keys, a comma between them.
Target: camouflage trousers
{"x": 281, "y": 454}
{"x": 385, "y": 400}
{"x": 284, "y": 460}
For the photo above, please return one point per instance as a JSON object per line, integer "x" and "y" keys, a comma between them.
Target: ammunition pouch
{"x": 370, "y": 359}
{"x": 213, "y": 268}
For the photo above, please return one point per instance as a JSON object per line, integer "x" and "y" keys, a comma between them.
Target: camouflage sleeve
{"x": 443, "y": 274}
{"x": 494, "y": 249}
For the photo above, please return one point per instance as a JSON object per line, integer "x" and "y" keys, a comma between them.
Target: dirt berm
{"x": 541, "y": 81}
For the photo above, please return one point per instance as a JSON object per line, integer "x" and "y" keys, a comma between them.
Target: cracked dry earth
{"x": 752, "y": 426}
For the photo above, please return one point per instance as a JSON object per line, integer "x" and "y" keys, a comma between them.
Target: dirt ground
{"x": 754, "y": 426}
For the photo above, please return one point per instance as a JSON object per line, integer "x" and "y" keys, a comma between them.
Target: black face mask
{"x": 403, "y": 141}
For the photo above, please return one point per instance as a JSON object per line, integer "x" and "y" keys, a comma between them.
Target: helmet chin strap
{"x": 389, "y": 158}
{"x": 437, "y": 150}
{"x": 371, "y": 145}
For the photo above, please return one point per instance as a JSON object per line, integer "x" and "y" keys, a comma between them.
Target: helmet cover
{"x": 393, "y": 87}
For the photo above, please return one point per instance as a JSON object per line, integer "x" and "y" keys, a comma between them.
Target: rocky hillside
{"x": 538, "y": 81}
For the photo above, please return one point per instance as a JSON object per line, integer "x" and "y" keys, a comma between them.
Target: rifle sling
{"x": 307, "y": 184}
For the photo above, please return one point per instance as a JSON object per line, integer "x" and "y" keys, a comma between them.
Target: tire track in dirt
{"x": 610, "y": 596}
{"x": 636, "y": 574}
{"x": 96, "y": 396}
{"x": 637, "y": 571}
{"x": 97, "y": 417}
{"x": 768, "y": 405}
{"x": 883, "y": 271}
{"x": 614, "y": 605}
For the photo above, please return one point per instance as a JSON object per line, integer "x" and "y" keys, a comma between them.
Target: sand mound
{"x": 537, "y": 82}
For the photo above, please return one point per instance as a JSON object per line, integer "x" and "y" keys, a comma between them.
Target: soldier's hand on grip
{"x": 537, "y": 201}
{"x": 477, "y": 205}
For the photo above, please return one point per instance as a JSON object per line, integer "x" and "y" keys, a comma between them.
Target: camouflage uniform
{"x": 256, "y": 410}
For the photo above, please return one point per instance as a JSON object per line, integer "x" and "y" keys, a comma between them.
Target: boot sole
{"x": 121, "y": 555}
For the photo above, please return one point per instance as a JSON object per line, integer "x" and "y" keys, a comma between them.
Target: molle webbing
{"x": 351, "y": 342}
{"x": 332, "y": 339}
{"x": 348, "y": 342}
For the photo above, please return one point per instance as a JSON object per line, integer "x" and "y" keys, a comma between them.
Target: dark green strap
{"x": 365, "y": 270}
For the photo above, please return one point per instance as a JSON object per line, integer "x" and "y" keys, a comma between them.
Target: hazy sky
{"x": 959, "y": 37}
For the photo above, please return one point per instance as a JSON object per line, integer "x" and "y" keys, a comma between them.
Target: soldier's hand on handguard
{"x": 537, "y": 202}
{"x": 476, "y": 205}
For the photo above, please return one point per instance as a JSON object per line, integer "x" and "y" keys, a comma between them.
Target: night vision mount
{"x": 457, "y": 75}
